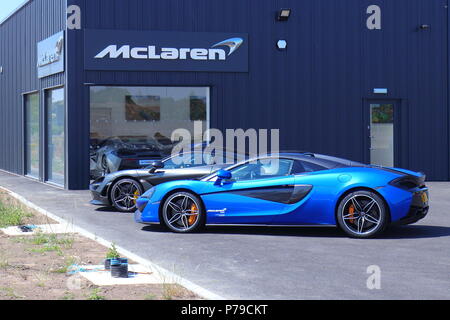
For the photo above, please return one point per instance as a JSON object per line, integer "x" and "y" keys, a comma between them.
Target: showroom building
{"x": 361, "y": 79}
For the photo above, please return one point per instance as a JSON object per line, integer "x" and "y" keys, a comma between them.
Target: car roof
{"x": 328, "y": 162}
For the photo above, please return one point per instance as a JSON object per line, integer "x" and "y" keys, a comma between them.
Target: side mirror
{"x": 222, "y": 175}
{"x": 156, "y": 165}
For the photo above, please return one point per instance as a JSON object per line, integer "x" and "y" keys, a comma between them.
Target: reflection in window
{"x": 382, "y": 134}
{"x": 55, "y": 130}
{"x": 142, "y": 108}
{"x": 149, "y": 114}
{"x": 188, "y": 160}
{"x": 32, "y": 134}
{"x": 262, "y": 169}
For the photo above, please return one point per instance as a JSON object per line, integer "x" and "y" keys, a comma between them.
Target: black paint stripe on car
{"x": 288, "y": 194}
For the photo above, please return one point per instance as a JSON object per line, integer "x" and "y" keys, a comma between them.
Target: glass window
{"x": 32, "y": 141}
{"x": 146, "y": 116}
{"x": 311, "y": 167}
{"x": 262, "y": 169}
{"x": 382, "y": 134}
{"x": 55, "y": 135}
{"x": 189, "y": 160}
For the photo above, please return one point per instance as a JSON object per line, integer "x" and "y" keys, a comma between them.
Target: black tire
{"x": 187, "y": 221}
{"x": 119, "y": 191}
{"x": 362, "y": 214}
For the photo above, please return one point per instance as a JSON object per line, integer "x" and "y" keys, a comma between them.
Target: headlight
{"x": 143, "y": 200}
{"x": 149, "y": 193}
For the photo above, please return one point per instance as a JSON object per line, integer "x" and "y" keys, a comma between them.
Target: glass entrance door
{"x": 55, "y": 136}
{"x": 381, "y": 133}
{"x": 32, "y": 140}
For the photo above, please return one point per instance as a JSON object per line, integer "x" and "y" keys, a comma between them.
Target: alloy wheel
{"x": 124, "y": 194}
{"x": 361, "y": 214}
{"x": 182, "y": 212}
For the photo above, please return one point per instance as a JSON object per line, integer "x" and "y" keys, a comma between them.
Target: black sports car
{"x": 121, "y": 153}
{"x": 121, "y": 189}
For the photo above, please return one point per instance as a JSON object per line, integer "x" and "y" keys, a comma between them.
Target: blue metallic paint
{"x": 317, "y": 208}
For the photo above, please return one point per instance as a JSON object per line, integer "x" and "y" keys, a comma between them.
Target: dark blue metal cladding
{"x": 19, "y": 35}
{"x": 315, "y": 91}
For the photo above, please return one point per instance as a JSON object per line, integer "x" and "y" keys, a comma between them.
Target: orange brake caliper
{"x": 192, "y": 218}
{"x": 351, "y": 211}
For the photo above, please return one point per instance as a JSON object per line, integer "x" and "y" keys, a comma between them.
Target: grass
{"x": 12, "y": 215}
{"x": 65, "y": 268}
{"x": 9, "y": 292}
{"x": 52, "y": 239}
{"x": 95, "y": 295}
{"x": 171, "y": 290}
{"x": 48, "y": 242}
{"x": 47, "y": 248}
{"x": 3, "y": 263}
{"x": 68, "y": 296}
{"x": 41, "y": 282}
{"x": 150, "y": 297}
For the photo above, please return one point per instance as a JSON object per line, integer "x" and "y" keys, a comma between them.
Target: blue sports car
{"x": 290, "y": 189}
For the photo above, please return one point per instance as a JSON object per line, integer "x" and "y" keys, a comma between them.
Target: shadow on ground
{"x": 403, "y": 232}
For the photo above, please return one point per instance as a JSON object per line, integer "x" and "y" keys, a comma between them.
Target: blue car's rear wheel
{"x": 182, "y": 212}
{"x": 362, "y": 214}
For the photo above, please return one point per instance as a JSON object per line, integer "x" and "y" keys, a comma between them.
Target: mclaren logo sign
{"x": 165, "y": 51}
{"x": 151, "y": 52}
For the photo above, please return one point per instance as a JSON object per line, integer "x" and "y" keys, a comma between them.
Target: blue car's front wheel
{"x": 362, "y": 214}
{"x": 183, "y": 212}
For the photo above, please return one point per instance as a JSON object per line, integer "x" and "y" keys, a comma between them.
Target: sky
{"x": 8, "y": 6}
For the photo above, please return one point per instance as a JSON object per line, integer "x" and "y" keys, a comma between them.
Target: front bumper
{"x": 97, "y": 198}
{"x": 419, "y": 208}
{"x": 148, "y": 214}
{"x": 138, "y": 218}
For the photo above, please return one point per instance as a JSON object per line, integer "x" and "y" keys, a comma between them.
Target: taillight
{"x": 408, "y": 182}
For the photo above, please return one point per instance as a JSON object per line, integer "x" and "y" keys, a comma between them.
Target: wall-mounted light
{"x": 1, "y": 69}
{"x": 380, "y": 90}
{"x": 424, "y": 26}
{"x": 283, "y": 14}
{"x": 282, "y": 44}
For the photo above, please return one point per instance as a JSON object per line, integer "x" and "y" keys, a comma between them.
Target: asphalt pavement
{"x": 276, "y": 263}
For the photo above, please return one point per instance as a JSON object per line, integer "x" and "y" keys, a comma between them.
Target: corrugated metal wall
{"x": 315, "y": 91}
{"x": 19, "y": 36}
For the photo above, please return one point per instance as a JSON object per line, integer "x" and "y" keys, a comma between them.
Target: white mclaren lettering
{"x": 183, "y": 53}
{"x": 199, "y": 54}
{"x": 138, "y": 53}
{"x": 169, "y": 53}
{"x": 154, "y": 53}
{"x": 217, "y": 53}
{"x": 113, "y": 53}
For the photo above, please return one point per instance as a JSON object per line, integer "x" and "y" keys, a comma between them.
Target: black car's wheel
{"x": 183, "y": 212}
{"x": 362, "y": 214}
{"x": 124, "y": 193}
